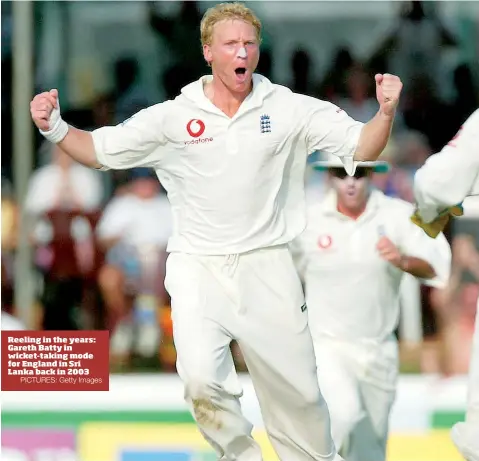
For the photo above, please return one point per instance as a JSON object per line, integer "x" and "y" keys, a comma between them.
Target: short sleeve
{"x": 330, "y": 130}
{"x": 449, "y": 176}
{"x": 137, "y": 142}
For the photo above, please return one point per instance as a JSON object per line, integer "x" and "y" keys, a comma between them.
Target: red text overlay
{"x": 55, "y": 361}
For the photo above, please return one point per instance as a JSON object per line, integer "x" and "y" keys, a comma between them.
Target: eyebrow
{"x": 235, "y": 40}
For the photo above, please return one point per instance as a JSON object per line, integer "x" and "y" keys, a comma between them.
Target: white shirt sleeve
{"x": 330, "y": 130}
{"x": 415, "y": 243}
{"x": 449, "y": 176}
{"x": 137, "y": 142}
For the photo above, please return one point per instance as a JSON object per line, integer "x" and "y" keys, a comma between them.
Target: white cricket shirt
{"x": 450, "y": 176}
{"x": 234, "y": 184}
{"x": 351, "y": 292}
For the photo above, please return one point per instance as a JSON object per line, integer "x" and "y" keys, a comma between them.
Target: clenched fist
{"x": 388, "y": 90}
{"x": 41, "y": 109}
{"x": 45, "y": 112}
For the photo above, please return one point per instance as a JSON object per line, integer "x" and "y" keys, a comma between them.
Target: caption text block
{"x": 55, "y": 361}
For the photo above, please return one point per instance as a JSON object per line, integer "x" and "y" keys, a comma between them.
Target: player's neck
{"x": 353, "y": 213}
{"x": 223, "y": 98}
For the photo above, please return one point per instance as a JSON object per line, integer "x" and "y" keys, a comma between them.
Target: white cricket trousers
{"x": 255, "y": 298}
{"x": 358, "y": 381}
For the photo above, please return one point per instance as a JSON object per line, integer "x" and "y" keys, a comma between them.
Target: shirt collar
{"x": 262, "y": 87}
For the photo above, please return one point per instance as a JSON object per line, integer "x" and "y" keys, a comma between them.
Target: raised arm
{"x": 330, "y": 130}
{"x": 134, "y": 143}
{"x": 375, "y": 134}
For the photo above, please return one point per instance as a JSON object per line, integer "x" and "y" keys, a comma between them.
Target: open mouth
{"x": 241, "y": 73}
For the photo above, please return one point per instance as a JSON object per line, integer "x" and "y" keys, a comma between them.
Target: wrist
{"x": 387, "y": 115}
{"x": 57, "y": 133}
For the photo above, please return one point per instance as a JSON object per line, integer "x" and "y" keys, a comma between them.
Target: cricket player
{"x": 447, "y": 179}
{"x": 231, "y": 153}
{"x": 352, "y": 257}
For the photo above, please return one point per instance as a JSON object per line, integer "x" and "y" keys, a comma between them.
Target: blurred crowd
{"x": 99, "y": 238}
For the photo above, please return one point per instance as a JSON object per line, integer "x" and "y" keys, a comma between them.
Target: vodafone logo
{"x": 195, "y": 128}
{"x": 324, "y": 241}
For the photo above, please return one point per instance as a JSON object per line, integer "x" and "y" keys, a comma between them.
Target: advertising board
{"x": 38, "y": 444}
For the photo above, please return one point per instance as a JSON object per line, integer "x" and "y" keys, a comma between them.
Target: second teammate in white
{"x": 352, "y": 258}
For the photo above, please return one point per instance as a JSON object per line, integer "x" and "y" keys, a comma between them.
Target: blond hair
{"x": 225, "y": 11}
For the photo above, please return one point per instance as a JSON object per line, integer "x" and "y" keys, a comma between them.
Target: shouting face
{"x": 233, "y": 53}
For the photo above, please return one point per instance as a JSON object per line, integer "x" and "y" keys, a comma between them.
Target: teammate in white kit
{"x": 446, "y": 179}
{"x": 352, "y": 257}
{"x": 231, "y": 153}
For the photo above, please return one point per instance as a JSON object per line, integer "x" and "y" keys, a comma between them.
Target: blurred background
{"x": 83, "y": 249}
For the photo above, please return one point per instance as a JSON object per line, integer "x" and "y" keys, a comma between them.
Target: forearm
{"x": 78, "y": 144}
{"x": 374, "y": 137}
{"x": 417, "y": 267}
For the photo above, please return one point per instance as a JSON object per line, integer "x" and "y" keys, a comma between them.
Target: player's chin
{"x": 352, "y": 202}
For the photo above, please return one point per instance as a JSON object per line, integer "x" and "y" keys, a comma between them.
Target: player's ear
{"x": 207, "y": 54}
